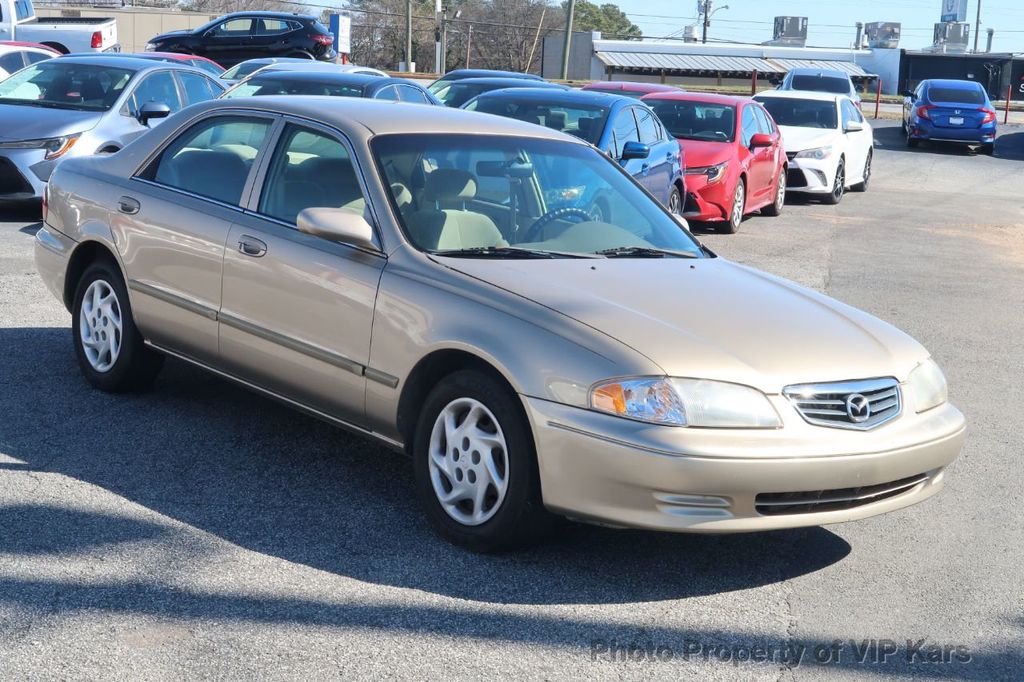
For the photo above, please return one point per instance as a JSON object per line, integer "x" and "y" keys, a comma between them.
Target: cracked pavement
{"x": 200, "y": 531}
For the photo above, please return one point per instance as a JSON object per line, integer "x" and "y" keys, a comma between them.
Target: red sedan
{"x": 629, "y": 88}
{"x": 735, "y": 160}
{"x": 208, "y": 65}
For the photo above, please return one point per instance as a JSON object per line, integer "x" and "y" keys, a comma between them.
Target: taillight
{"x": 989, "y": 116}
{"x": 97, "y": 39}
{"x": 322, "y": 39}
{"x": 922, "y": 112}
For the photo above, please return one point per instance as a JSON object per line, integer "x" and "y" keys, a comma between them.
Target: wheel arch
{"x": 56, "y": 46}
{"x": 87, "y": 252}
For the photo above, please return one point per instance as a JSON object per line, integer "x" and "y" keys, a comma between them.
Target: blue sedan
{"x": 625, "y": 129}
{"x": 950, "y": 111}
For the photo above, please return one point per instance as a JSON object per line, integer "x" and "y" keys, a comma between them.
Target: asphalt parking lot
{"x": 199, "y": 531}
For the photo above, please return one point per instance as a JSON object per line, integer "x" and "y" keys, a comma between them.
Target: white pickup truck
{"x": 18, "y": 21}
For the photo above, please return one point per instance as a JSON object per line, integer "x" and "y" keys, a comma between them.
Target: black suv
{"x": 239, "y": 36}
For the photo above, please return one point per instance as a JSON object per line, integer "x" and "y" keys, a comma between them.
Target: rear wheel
{"x": 839, "y": 186}
{"x": 987, "y": 149}
{"x": 110, "y": 349}
{"x": 775, "y": 208}
{"x": 739, "y": 204}
{"x": 911, "y": 141}
{"x": 862, "y": 186}
{"x": 476, "y": 464}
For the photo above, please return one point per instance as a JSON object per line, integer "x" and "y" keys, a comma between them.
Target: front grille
{"x": 791, "y": 155}
{"x": 11, "y": 180}
{"x": 861, "y": 405}
{"x": 691, "y": 205}
{"x": 795, "y": 178}
{"x": 807, "y": 502}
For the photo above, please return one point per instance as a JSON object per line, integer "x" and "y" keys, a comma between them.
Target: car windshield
{"x": 269, "y": 85}
{"x": 58, "y": 84}
{"x": 584, "y": 121}
{"x": 456, "y": 93}
{"x": 507, "y": 196}
{"x": 818, "y": 83}
{"x": 958, "y": 95}
{"x": 801, "y": 113}
{"x": 696, "y": 120}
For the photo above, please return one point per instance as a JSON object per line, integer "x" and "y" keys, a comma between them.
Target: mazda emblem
{"x": 858, "y": 408}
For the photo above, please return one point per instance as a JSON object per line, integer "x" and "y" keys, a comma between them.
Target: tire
{"x": 911, "y": 142}
{"x": 675, "y": 202}
{"x": 739, "y": 205}
{"x": 862, "y": 186}
{"x": 774, "y": 209}
{"x": 839, "y": 185}
{"x": 504, "y": 518}
{"x": 987, "y": 149}
{"x": 110, "y": 349}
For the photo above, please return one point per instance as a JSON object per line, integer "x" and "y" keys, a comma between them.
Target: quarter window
{"x": 212, "y": 158}
{"x": 197, "y": 88}
{"x": 158, "y": 87}
{"x": 309, "y": 169}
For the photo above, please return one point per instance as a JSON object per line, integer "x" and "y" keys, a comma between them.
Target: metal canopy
{"x": 701, "y": 64}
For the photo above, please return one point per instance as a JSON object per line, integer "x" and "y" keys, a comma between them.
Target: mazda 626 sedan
{"x": 437, "y": 283}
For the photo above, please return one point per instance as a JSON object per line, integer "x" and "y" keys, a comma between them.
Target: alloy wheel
{"x": 738, "y": 202}
{"x": 780, "y": 193}
{"x": 840, "y": 184}
{"x": 100, "y": 326}
{"x": 468, "y": 461}
{"x": 675, "y": 202}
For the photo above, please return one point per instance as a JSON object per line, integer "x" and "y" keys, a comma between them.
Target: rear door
{"x": 271, "y": 37}
{"x": 297, "y": 309}
{"x": 173, "y": 221}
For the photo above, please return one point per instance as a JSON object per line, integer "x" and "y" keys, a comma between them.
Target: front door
{"x": 297, "y": 309}
{"x": 229, "y": 42}
{"x": 661, "y": 162}
{"x": 172, "y": 223}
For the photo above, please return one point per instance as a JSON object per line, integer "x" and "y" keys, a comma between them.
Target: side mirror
{"x": 760, "y": 141}
{"x": 340, "y": 225}
{"x": 854, "y": 127}
{"x": 635, "y": 150}
{"x": 153, "y": 110}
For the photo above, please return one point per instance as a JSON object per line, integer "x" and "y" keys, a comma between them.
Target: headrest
{"x": 449, "y": 184}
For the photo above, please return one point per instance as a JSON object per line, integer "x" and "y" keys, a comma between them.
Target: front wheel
{"x": 476, "y": 465}
{"x": 839, "y": 186}
{"x": 862, "y": 186}
{"x": 110, "y": 349}
{"x": 775, "y": 208}
{"x": 675, "y": 202}
{"x": 739, "y": 204}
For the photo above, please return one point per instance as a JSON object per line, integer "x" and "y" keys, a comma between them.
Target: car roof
{"x": 814, "y": 71}
{"x": 633, "y": 86}
{"x": 269, "y": 14}
{"x": 954, "y": 83}
{"x": 336, "y": 77}
{"x": 121, "y": 62}
{"x": 559, "y": 95}
{"x": 354, "y": 114}
{"x": 706, "y": 97}
{"x": 464, "y": 74}
{"x": 801, "y": 94}
{"x": 15, "y": 45}
{"x": 514, "y": 82}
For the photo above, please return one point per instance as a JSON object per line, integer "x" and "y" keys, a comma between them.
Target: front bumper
{"x": 707, "y": 202}
{"x": 607, "y": 470}
{"x": 811, "y": 175}
{"x": 23, "y": 174}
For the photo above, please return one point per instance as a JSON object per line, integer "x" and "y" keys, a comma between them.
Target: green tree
{"x": 611, "y": 21}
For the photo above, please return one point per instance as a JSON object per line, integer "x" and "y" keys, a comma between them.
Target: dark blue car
{"x": 625, "y": 129}
{"x": 950, "y": 111}
{"x": 456, "y": 93}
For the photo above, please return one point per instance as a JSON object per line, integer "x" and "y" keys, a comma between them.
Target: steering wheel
{"x": 533, "y": 231}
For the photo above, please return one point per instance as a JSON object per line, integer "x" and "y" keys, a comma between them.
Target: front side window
{"x": 802, "y": 113}
{"x": 197, "y": 88}
{"x": 750, "y": 127}
{"x": 456, "y": 94}
{"x": 764, "y": 121}
{"x": 233, "y": 28}
{"x": 309, "y": 169}
{"x": 33, "y": 57}
{"x": 388, "y": 93}
{"x": 696, "y": 120}
{"x": 59, "y": 84}
{"x": 623, "y": 131}
{"x": 23, "y": 9}
{"x": 647, "y": 126}
{"x": 411, "y": 94}
{"x": 158, "y": 87}
{"x": 558, "y": 197}
{"x": 212, "y": 158}
{"x": 12, "y": 61}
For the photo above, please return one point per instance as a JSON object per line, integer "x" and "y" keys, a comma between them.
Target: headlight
{"x": 713, "y": 173}
{"x": 818, "y": 154}
{"x": 927, "y": 385}
{"x": 55, "y": 146}
{"x": 686, "y": 402}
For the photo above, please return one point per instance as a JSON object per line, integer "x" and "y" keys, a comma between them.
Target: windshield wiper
{"x": 507, "y": 252}
{"x": 643, "y": 252}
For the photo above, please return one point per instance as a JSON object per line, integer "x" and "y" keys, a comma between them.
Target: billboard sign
{"x": 341, "y": 26}
{"x": 954, "y": 10}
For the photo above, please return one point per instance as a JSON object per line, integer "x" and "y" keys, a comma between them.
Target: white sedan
{"x": 15, "y": 56}
{"x": 827, "y": 140}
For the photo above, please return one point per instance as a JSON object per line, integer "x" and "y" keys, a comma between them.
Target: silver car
{"x": 79, "y": 106}
{"x": 437, "y": 283}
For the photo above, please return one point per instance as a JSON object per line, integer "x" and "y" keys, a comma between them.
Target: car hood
{"x": 711, "y": 318}
{"x": 26, "y": 122}
{"x": 701, "y": 153}
{"x": 170, "y": 34}
{"x": 797, "y": 138}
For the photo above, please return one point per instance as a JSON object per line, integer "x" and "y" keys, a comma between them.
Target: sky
{"x": 830, "y": 22}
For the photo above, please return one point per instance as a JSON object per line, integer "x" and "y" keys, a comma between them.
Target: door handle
{"x": 250, "y": 246}
{"x": 128, "y": 205}
{"x": 646, "y": 167}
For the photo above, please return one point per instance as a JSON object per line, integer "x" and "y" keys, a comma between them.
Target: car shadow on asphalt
{"x": 228, "y": 462}
{"x": 1008, "y": 145}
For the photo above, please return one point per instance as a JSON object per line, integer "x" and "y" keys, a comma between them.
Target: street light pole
{"x": 408, "y": 35}
{"x": 567, "y": 43}
{"x": 977, "y": 26}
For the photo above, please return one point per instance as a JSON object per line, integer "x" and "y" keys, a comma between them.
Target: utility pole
{"x": 469, "y": 43}
{"x": 571, "y": 10}
{"x": 707, "y": 20}
{"x": 437, "y": 37}
{"x": 408, "y": 36}
{"x": 977, "y": 26}
{"x": 444, "y": 42}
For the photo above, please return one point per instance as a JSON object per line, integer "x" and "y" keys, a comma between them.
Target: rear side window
{"x": 12, "y": 61}
{"x": 647, "y": 126}
{"x": 33, "y": 57}
{"x": 390, "y": 93}
{"x": 157, "y": 87}
{"x": 197, "y": 88}
{"x": 838, "y": 86}
{"x": 957, "y": 95}
{"x": 309, "y": 169}
{"x": 212, "y": 158}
